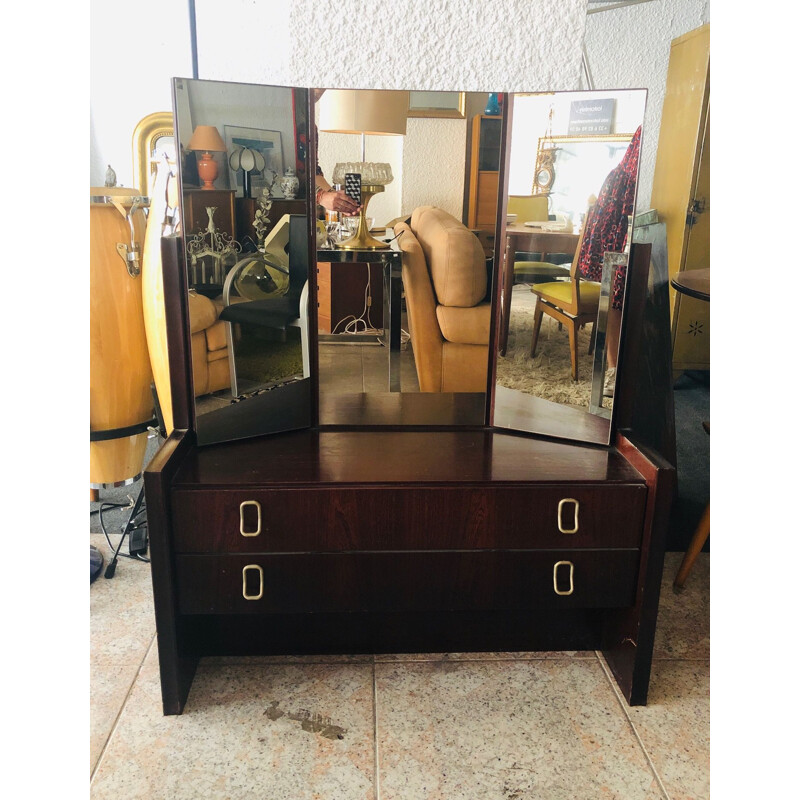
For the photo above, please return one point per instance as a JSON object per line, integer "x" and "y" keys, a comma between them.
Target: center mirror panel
{"x": 407, "y": 194}
{"x": 572, "y": 175}
{"x": 244, "y": 219}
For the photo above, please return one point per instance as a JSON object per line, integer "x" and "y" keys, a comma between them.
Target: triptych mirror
{"x": 507, "y": 194}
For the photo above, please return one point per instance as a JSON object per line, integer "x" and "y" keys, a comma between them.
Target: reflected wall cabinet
{"x": 484, "y": 171}
{"x": 397, "y": 538}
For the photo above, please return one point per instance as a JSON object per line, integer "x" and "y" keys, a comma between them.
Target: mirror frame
{"x": 147, "y": 132}
{"x": 546, "y": 160}
{"x": 296, "y": 403}
{"x": 160, "y": 123}
{"x": 578, "y": 428}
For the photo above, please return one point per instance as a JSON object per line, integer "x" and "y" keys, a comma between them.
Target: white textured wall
{"x": 629, "y": 49}
{"x": 438, "y": 172}
{"x": 470, "y": 45}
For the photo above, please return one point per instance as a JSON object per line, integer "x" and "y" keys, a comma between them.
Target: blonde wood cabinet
{"x": 682, "y": 190}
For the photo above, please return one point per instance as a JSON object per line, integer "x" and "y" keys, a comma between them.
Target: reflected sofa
{"x": 445, "y": 280}
{"x": 209, "y": 345}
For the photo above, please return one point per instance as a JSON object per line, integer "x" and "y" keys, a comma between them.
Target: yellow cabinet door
{"x": 681, "y": 189}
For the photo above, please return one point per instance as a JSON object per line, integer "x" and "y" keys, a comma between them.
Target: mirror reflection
{"x": 573, "y": 168}
{"x": 243, "y": 162}
{"x": 407, "y": 208}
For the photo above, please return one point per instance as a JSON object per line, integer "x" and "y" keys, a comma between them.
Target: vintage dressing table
{"x": 429, "y": 525}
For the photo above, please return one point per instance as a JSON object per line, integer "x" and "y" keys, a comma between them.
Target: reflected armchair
{"x": 444, "y": 279}
{"x": 572, "y": 302}
{"x": 272, "y": 288}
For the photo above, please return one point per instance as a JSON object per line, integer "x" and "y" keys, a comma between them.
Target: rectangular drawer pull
{"x": 561, "y": 504}
{"x": 257, "y": 530}
{"x": 260, "y": 571}
{"x": 555, "y": 576}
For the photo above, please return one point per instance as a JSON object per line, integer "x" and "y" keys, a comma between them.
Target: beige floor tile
{"x": 505, "y": 731}
{"x": 278, "y": 731}
{"x": 683, "y": 629}
{"x": 674, "y": 726}
{"x": 484, "y": 656}
{"x": 122, "y": 621}
{"x": 287, "y": 659}
{"x": 109, "y": 685}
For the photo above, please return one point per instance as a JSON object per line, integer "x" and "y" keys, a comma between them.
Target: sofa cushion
{"x": 202, "y": 312}
{"x": 217, "y": 339}
{"x": 455, "y": 257}
{"x": 465, "y": 325}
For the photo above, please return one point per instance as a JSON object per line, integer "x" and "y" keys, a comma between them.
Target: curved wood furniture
{"x": 120, "y": 375}
{"x": 695, "y": 283}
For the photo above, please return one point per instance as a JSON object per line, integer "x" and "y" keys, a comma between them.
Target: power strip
{"x": 137, "y": 542}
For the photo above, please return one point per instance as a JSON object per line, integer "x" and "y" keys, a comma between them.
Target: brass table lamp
{"x": 362, "y": 239}
{"x": 367, "y": 112}
{"x": 374, "y": 178}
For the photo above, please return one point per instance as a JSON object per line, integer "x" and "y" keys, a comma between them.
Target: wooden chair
{"x": 573, "y": 303}
{"x": 533, "y": 208}
{"x": 699, "y": 538}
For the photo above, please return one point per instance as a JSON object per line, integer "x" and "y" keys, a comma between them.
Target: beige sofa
{"x": 444, "y": 279}
{"x": 209, "y": 345}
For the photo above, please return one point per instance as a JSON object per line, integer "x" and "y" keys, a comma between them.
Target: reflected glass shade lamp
{"x": 366, "y": 112}
{"x": 207, "y": 141}
{"x": 246, "y": 160}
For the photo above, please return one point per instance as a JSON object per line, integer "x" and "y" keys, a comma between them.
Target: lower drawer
{"x": 407, "y": 581}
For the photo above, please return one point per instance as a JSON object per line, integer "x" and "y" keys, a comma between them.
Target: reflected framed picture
{"x": 268, "y": 143}
{"x": 443, "y": 105}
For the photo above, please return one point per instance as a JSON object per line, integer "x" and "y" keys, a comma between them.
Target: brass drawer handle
{"x": 257, "y": 531}
{"x": 561, "y": 504}
{"x": 260, "y": 582}
{"x": 555, "y": 577}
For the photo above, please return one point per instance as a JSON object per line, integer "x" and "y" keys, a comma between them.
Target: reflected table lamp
{"x": 247, "y": 160}
{"x": 207, "y": 141}
{"x": 364, "y": 111}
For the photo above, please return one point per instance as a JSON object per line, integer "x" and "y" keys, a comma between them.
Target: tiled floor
{"x": 503, "y": 726}
{"x": 500, "y": 726}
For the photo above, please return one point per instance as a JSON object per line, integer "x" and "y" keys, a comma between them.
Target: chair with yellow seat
{"x": 573, "y": 303}
{"x": 533, "y": 208}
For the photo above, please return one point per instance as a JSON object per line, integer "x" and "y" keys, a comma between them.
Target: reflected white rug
{"x": 547, "y": 375}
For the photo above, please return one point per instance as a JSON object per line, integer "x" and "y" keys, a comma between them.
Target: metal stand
{"x": 132, "y": 524}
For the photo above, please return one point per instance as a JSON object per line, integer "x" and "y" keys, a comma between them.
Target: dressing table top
{"x": 399, "y": 457}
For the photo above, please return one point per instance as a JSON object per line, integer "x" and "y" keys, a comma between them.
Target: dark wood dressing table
{"x": 419, "y": 526}
{"x": 345, "y": 541}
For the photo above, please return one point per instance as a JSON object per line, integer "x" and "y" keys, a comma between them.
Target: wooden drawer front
{"x": 455, "y": 581}
{"x": 330, "y": 520}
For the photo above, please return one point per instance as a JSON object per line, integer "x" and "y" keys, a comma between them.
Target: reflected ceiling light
{"x": 206, "y": 139}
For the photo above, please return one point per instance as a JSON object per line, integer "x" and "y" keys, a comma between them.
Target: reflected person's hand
{"x": 339, "y": 201}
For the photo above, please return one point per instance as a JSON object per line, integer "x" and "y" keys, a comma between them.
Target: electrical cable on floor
{"x": 352, "y": 322}
{"x": 133, "y": 525}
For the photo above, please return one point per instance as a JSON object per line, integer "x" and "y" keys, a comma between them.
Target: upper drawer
{"x": 376, "y": 518}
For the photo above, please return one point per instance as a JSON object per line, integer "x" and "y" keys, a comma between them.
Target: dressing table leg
{"x": 629, "y": 633}
{"x": 177, "y": 670}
